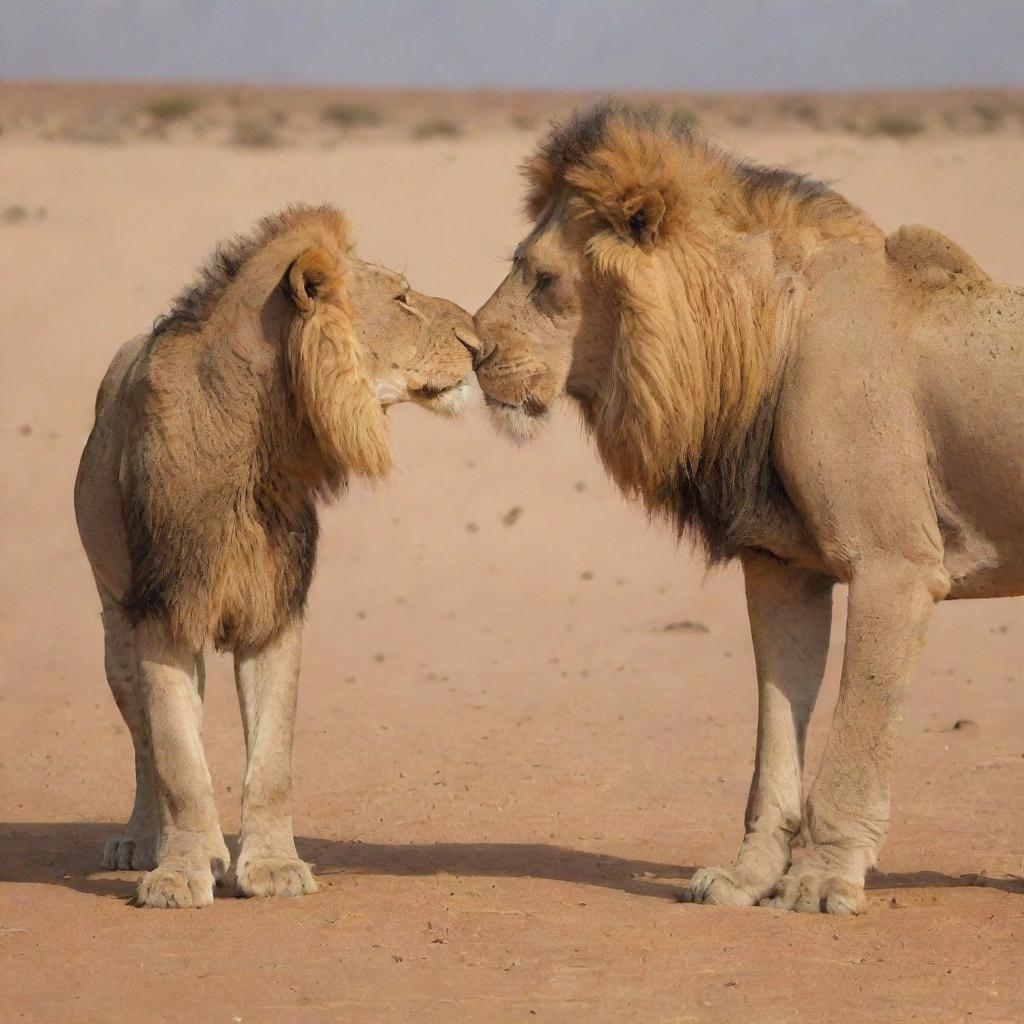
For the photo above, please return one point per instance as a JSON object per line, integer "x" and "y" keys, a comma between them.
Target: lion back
{"x": 932, "y": 260}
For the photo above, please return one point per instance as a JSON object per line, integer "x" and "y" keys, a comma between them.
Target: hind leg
{"x": 191, "y": 854}
{"x": 135, "y": 845}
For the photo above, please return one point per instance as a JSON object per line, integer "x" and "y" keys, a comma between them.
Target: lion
{"x": 756, "y": 361}
{"x": 261, "y": 392}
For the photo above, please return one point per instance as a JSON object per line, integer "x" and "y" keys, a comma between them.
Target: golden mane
{"x": 249, "y": 401}
{"x": 701, "y": 253}
{"x": 192, "y": 308}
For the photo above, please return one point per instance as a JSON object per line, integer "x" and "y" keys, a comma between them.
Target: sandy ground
{"x": 507, "y": 762}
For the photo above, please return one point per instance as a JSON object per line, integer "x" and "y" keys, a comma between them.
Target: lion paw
{"x": 723, "y": 887}
{"x": 130, "y": 853}
{"x": 173, "y": 887}
{"x": 812, "y": 889}
{"x": 274, "y": 876}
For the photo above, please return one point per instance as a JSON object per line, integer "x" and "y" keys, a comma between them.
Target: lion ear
{"x": 313, "y": 273}
{"x": 328, "y": 373}
{"x": 639, "y": 217}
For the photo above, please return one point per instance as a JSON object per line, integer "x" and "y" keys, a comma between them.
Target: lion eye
{"x": 543, "y": 280}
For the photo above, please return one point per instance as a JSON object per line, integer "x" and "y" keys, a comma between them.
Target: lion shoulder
{"x": 119, "y": 368}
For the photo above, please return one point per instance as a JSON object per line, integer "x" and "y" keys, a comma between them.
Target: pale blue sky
{"x": 595, "y": 44}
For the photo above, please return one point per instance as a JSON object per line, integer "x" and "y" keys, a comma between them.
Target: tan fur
{"x": 327, "y": 373}
{"x": 705, "y": 297}
{"x": 755, "y": 360}
{"x": 259, "y": 393}
{"x": 228, "y": 440}
{"x": 932, "y": 260}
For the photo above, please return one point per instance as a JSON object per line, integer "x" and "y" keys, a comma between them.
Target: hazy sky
{"x": 599, "y": 44}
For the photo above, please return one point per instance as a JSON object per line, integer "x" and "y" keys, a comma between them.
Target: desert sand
{"x": 526, "y": 713}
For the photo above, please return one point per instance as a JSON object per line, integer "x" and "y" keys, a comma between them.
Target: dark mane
{"x": 192, "y": 307}
{"x": 711, "y": 473}
{"x": 722, "y": 503}
{"x": 769, "y": 182}
{"x": 571, "y": 142}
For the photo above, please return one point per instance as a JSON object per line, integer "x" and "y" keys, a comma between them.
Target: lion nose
{"x": 484, "y": 334}
{"x": 471, "y": 343}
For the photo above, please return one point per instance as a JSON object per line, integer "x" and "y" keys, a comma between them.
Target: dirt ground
{"x": 526, "y": 713}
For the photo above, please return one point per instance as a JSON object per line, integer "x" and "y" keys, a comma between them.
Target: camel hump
{"x": 929, "y": 255}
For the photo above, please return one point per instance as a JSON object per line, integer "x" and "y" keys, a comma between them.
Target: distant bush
{"x": 897, "y": 126}
{"x": 350, "y": 115}
{"x": 97, "y": 133}
{"x": 524, "y": 122}
{"x": 683, "y": 117}
{"x": 436, "y": 128}
{"x": 171, "y": 108}
{"x": 990, "y": 117}
{"x": 255, "y": 132}
{"x": 804, "y": 112}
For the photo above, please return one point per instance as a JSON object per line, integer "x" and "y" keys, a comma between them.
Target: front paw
{"x": 274, "y": 876}
{"x": 175, "y": 886}
{"x": 725, "y": 887}
{"x": 813, "y": 886}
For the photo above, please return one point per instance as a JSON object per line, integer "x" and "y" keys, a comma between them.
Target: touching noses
{"x": 470, "y": 342}
{"x": 485, "y": 336}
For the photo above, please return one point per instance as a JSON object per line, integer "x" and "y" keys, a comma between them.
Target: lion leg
{"x": 790, "y": 619}
{"x": 135, "y": 845}
{"x": 267, "y": 682}
{"x": 191, "y": 855}
{"x": 847, "y": 814}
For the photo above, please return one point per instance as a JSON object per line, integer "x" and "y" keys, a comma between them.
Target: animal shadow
{"x": 497, "y": 860}
{"x": 68, "y": 854}
{"x": 62, "y": 853}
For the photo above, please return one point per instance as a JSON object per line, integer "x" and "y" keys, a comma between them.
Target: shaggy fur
{"x": 192, "y": 308}
{"x": 220, "y": 482}
{"x": 685, "y": 418}
{"x": 250, "y": 400}
{"x": 261, "y": 392}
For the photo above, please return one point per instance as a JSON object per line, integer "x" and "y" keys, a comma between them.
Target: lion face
{"x": 547, "y": 330}
{"x": 419, "y": 348}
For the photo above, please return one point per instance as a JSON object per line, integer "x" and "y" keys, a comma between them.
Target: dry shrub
{"x": 92, "y": 131}
{"x": 989, "y": 116}
{"x": 897, "y": 126}
{"x": 256, "y": 132}
{"x": 685, "y": 118}
{"x": 436, "y": 128}
{"x": 804, "y": 112}
{"x": 350, "y": 115}
{"x": 167, "y": 109}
